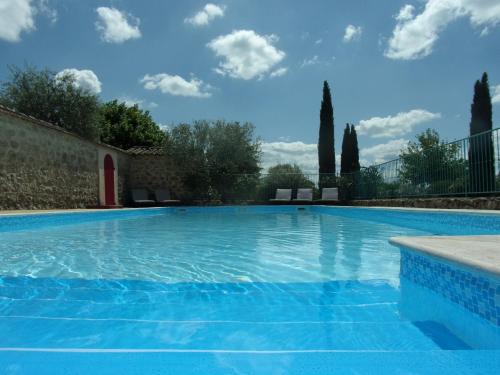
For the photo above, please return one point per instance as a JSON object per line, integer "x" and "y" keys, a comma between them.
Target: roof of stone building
{"x": 13, "y": 113}
{"x": 136, "y": 150}
{"x": 146, "y": 150}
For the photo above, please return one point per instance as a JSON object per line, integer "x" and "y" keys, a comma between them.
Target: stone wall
{"x": 153, "y": 172}
{"x": 483, "y": 203}
{"x": 43, "y": 166}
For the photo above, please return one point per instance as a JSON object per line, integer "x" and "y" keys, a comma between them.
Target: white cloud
{"x": 405, "y": 13}
{"x": 352, "y": 33}
{"x": 397, "y": 125}
{"x": 246, "y": 54}
{"x": 16, "y": 16}
{"x": 49, "y": 12}
{"x": 116, "y": 26}
{"x": 495, "y": 98}
{"x": 131, "y": 101}
{"x": 206, "y": 15}
{"x": 309, "y": 62}
{"x": 176, "y": 85}
{"x": 319, "y": 41}
{"x": 382, "y": 152}
{"x": 414, "y": 37}
{"x": 278, "y": 72}
{"x": 165, "y": 127}
{"x": 85, "y": 79}
{"x": 303, "y": 154}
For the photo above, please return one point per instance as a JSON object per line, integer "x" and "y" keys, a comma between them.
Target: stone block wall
{"x": 44, "y": 167}
{"x": 154, "y": 172}
{"x": 479, "y": 203}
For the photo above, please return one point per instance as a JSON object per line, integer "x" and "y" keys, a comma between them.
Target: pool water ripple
{"x": 270, "y": 281}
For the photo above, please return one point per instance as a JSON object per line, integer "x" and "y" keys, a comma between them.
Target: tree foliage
{"x": 124, "y": 126}
{"x": 349, "y": 160}
{"x": 355, "y": 166}
{"x": 40, "y": 94}
{"x": 431, "y": 166}
{"x": 481, "y": 152}
{"x": 216, "y": 160}
{"x": 346, "y": 156}
{"x": 369, "y": 183}
{"x": 326, "y": 141}
{"x": 283, "y": 176}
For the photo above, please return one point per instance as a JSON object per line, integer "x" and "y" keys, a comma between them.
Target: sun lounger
{"x": 282, "y": 195}
{"x": 304, "y": 195}
{"x": 140, "y": 197}
{"x": 330, "y": 194}
{"x": 163, "y": 196}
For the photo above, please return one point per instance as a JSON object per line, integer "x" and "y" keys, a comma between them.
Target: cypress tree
{"x": 345, "y": 157}
{"x": 355, "y": 167}
{"x": 326, "y": 147}
{"x": 481, "y": 165}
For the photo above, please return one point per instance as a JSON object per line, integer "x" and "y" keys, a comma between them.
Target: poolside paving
{"x": 479, "y": 252}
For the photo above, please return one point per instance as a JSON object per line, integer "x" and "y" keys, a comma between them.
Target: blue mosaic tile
{"x": 476, "y": 292}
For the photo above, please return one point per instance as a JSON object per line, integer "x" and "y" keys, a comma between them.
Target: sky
{"x": 395, "y": 68}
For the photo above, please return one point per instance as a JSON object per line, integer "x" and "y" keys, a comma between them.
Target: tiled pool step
{"x": 201, "y": 312}
{"x": 470, "y": 362}
{"x": 311, "y": 298}
{"x": 151, "y": 286}
{"x": 340, "y": 315}
{"x": 234, "y": 336}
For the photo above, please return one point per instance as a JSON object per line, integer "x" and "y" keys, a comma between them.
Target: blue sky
{"x": 394, "y": 67}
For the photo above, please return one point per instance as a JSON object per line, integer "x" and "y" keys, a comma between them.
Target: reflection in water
{"x": 207, "y": 247}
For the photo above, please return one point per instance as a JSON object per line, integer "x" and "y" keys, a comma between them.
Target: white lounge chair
{"x": 141, "y": 197}
{"x": 282, "y": 195}
{"x": 330, "y": 194}
{"x": 304, "y": 195}
{"x": 163, "y": 196}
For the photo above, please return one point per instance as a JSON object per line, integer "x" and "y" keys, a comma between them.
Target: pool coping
{"x": 479, "y": 252}
{"x": 83, "y": 210}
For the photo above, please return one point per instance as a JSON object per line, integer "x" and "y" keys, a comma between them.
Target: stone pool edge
{"x": 480, "y": 252}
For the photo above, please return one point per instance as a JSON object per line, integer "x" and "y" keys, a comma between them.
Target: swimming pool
{"x": 231, "y": 290}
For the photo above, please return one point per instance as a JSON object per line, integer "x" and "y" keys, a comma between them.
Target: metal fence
{"x": 467, "y": 167}
{"x": 259, "y": 188}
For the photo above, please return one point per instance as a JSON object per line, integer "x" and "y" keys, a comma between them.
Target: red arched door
{"x": 109, "y": 181}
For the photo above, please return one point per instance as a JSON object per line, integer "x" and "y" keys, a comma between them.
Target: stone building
{"x": 43, "y": 166}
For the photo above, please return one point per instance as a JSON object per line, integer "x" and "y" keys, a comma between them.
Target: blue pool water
{"x": 233, "y": 290}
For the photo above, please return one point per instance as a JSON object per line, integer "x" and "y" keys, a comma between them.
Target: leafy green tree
{"x": 431, "y": 166}
{"x": 369, "y": 183}
{"x": 481, "y": 152}
{"x": 125, "y": 127}
{"x": 232, "y": 154}
{"x": 39, "y": 93}
{"x": 326, "y": 141}
{"x": 186, "y": 146}
{"x": 283, "y": 176}
{"x": 216, "y": 160}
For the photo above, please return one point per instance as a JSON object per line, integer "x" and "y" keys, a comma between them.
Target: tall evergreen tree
{"x": 481, "y": 165}
{"x": 346, "y": 156}
{"x": 326, "y": 145}
{"x": 355, "y": 150}
{"x": 349, "y": 160}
